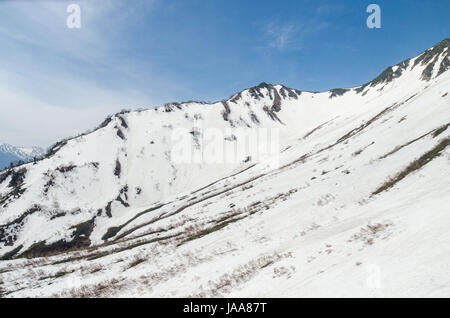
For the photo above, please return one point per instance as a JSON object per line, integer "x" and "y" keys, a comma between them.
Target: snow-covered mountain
{"x": 10, "y": 154}
{"x": 354, "y": 201}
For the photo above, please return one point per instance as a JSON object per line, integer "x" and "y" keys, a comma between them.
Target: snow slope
{"x": 356, "y": 205}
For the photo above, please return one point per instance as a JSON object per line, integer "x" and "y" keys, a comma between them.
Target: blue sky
{"x": 56, "y": 82}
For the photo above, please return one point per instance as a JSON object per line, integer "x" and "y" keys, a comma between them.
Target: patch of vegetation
{"x": 118, "y": 168}
{"x": 80, "y": 239}
{"x": 50, "y": 183}
{"x": 358, "y": 152}
{"x": 255, "y": 92}
{"x": 272, "y": 115}
{"x": 434, "y": 133}
{"x": 58, "y": 215}
{"x": 238, "y": 215}
{"x": 130, "y": 246}
{"x": 221, "y": 286}
{"x": 123, "y": 192}
{"x": 10, "y": 254}
{"x": 4, "y": 175}
{"x": 264, "y": 85}
{"x": 236, "y": 98}
{"x": 338, "y": 92}
{"x": 276, "y": 107}
{"x": 226, "y": 111}
{"x": 368, "y": 234}
{"x": 415, "y": 165}
{"x": 120, "y": 133}
{"x": 112, "y": 231}
{"x": 440, "y": 130}
{"x": 83, "y": 229}
{"x": 59, "y": 274}
{"x": 431, "y": 56}
{"x": 386, "y": 76}
{"x": 212, "y": 229}
{"x": 55, "y": 148}
{"x": 428, "y": 71}
{"x": 17, "y": 178}
{"x": 123, "y": 122}
{"x": 64, "y": 169}
{"x": 95, "y": 164}
{"x": 357, "y": 130}
{"x": 136, "y": 261}
{"x": 105, "y": 122}
{"x": 254, "y": 118}
{"x": 402, "y": 119}
{"x": 8, "y": 231}
{"x": 445, "y": 65}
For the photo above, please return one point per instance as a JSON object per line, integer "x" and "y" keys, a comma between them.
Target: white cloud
{"x": 49, "y": 88}
{"x": 282, "y": 36}
{"x": 292, "y": 36}
{"x": 29, "y": 120}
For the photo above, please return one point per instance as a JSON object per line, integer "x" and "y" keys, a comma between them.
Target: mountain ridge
{"x": 264, "y": 103}
{"x": 345, "y": 171}
{"x": 387, "y": 75}
{"x": 384, "y": 77}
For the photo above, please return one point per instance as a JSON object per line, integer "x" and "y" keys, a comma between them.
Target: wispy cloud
{"x": 282, "y": 36}
{"x": 327, "y": 9}
{"x": 57, "y": 82}
{"x": 28, "y": 118}
{"x": 292, "y": 35}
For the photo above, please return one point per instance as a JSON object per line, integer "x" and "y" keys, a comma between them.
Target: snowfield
{"x": 357, "y": 204}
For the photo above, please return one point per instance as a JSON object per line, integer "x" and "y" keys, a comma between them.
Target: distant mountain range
{"x": 9, "y": 154}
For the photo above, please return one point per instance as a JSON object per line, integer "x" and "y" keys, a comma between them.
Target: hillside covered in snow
{"x": 347, "y": 195}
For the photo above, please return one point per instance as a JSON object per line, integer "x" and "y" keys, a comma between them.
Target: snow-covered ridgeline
{"x": 120, "y": 188}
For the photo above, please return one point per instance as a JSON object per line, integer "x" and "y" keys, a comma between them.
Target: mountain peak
{"x": 435, "y": 61}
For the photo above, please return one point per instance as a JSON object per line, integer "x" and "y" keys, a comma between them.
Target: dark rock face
{"x": 226, "y": 111}
{"x": 8, "y": 231}
{"x": 387, "y": 76}
{"x": 338, "y": 92}
{"x": 431, "y": 58}
{"x": 276, "y": 107}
